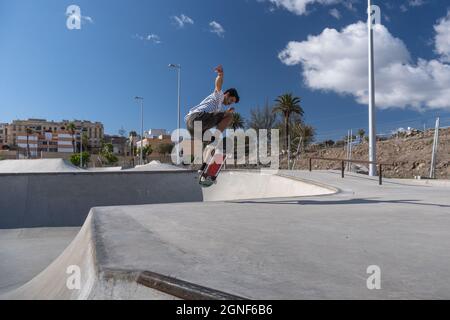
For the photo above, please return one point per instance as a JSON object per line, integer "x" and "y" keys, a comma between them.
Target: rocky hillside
{"x": 410, "y": 155}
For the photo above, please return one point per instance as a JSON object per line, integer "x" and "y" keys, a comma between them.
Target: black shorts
{"x": 209, "y": 120}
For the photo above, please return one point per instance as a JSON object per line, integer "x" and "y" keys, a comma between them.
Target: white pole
{"x": 178, "y": 67}
{"x": 81, "y": 148}
{"x": 435, "y": 149}
{"x": 372, "y": 129}
{"x": 348, "y": 149}
{"x": 142, "y": 132}
{"x": 179, "y": 113}
{"x": 351, "y": 148}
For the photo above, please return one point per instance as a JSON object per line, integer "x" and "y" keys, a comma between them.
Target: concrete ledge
{"x": 182, "y": 289}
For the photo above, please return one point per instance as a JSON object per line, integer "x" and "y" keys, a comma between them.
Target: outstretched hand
{"x": 219, "y": 69}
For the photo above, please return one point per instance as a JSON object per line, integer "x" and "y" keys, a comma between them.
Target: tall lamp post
{"x": 372, "y": 128}
{"x": 178, "y": 68}
{"x": 81, "y": 146}
{"x": 141, "y": 100}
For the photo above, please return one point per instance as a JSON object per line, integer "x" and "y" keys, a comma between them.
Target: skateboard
{"x": 214, "y": 163}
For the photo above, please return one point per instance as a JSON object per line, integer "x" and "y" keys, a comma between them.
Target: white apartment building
{"x": 154, "y": 133}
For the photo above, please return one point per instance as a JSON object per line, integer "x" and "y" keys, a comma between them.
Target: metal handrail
{"x": 344, "y": 161}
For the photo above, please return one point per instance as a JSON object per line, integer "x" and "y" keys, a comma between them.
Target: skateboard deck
{"x": 214, "y": 166}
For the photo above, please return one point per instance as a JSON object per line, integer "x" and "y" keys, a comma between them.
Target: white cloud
{"x": 337, "y": 61}
{"x": 300, "y": 6}
{"x": 182, "y": 20}
{"x": 151, "y": 37}
{"x": 412, "y": 3}
{"x": 335, "y": 13}
{"x": 416, "y": 3}
{"x": 442, "y": 40}
{"x": 87, "y": 19}
{"x": 216, "y": 28}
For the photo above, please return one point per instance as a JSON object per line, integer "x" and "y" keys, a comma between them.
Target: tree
{"x": 29, "y": 132}
{"x": 145, "y": 152}
{"x": 237, "y": 122}
{"x": 361, "y": 134}
{"x": 131, "y": 139}
{"x": 85, "y": 140}
{"x": 262, "y": 118}
{"x": 287, "y": 105}
{"x": 107, "y": 153}
{"x": 303, "y": 133}
{"x": 75, "y": 159}
{"x": 71, "y": 129}
{"x": 165, "y": 148}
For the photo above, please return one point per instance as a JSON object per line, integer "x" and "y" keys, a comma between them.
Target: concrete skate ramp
{"x": 156, "y": 166}
{"x": 96, "y": 255}
{"x": 37, "y": 166}
{"x": 108, "y": 234}
{"x": 64, "y": 199}
{"x": 85, "y": 253}
{"x": 242, "y": 185}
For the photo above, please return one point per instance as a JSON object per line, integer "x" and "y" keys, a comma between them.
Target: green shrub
{"x": 75, "y": 159}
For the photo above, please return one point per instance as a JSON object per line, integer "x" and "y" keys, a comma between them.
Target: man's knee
{"x": 228, "y": 117}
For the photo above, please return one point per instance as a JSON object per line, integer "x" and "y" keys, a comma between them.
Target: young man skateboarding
{"x": 210, "y": 112}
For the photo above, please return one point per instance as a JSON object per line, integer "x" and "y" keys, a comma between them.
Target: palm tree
{"x": 237, "y": 122}
{"x": 71, "y": 128}
{"x": 85, "y": 141}
{"x": 132, "y": 138}
{"x": 288, "y": 105}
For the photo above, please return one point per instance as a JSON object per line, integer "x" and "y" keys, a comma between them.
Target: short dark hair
{"x": 233, "y": 93}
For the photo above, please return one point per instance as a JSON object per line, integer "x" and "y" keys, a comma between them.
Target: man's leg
{"x": 221, "y": 121}
{"x": 195, "y": 122}
{"x": 225, "y": 122}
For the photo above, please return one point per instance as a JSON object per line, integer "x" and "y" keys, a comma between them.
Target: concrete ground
{"x": 305, "y": 248}
{"x": 298, "y": 248}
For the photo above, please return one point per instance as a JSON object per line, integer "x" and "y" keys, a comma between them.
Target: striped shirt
{"x": 212, "y": 103}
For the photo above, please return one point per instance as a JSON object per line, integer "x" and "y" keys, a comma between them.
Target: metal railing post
{"x": 343, "y": 169}
{"x": 381, "y": 174}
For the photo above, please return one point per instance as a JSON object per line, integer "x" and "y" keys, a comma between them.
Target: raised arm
{"x": 219, "y": 79}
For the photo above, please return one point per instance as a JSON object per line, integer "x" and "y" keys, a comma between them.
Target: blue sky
{"x": 124, "y": 47}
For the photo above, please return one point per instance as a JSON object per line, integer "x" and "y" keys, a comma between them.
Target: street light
{"x": 141, "y": 160}
{"x": 81, "y": 146}
{"x": 372, "y": 128}
{"x": 178, "y": 67}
